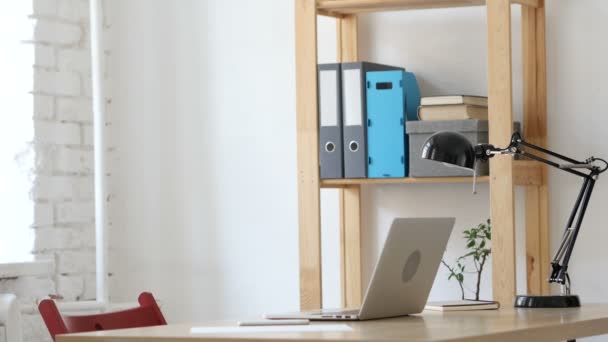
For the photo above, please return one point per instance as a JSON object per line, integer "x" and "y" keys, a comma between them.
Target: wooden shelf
{"x": 339, "y": 183}
{"x": 339, "y": 8}
{"x": 524, "y": 173}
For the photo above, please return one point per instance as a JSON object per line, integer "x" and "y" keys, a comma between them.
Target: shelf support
{"x": 350, "y": 196}
{"x": 535, "y": 131}
{"x": 501, "y": 168}
{"x": 309, "y": 208}
{"x": 350, "y": 246}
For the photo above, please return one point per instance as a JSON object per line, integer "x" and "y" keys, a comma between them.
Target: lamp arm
{"x": 486, "y": 151}
{"x": 559, "y": 263}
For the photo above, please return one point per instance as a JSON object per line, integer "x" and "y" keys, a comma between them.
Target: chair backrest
{"x": 147, "y": 314}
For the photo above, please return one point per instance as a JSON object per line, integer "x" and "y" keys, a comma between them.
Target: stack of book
{"x": 454, "y": 107}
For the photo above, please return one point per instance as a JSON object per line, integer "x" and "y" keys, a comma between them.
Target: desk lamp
{"x": 454, "y": 149}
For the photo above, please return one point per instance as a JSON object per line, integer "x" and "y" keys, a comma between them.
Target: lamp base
{"x": 570, "y": 301}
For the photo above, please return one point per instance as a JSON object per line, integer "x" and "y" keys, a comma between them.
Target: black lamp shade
{"x": 449, "y": 148}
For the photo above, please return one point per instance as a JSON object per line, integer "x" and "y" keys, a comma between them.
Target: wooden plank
{"x": 341, "y": 7}
{"x": 504, "y": 325}
{"x": 309, "y": 211}
{"x": 501, "y": 167}
{"x": 350, "y": 196}
{"x": 541, "y": 114}
{"x": 524, "y": 173}
{"x": 359, "y": 6}
{"x": 535, "y": 131}
{"x": 545, "y": 256}
{"x": 533, "y": 259}
{"x": 350, "y": 207}
{"x": 348, "y": 47}
{"x": 338, "y": 183}
{"x": 531, "y": 134}
{"x": 330, "y": 14}
{"x": 527, "y": 172}
{"x": 528, "y": 3}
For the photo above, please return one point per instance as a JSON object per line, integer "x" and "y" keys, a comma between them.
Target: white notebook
{"x": 462, "y": 305}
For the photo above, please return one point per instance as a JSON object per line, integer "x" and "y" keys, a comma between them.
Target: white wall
{"x": 203, "y": 98}
{"x": 205, "y": 177}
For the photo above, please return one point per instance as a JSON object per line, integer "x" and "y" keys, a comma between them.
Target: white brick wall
{"x": 52, "y": 82}
{"x": 74, "y": 110}
{"x": 44, "y": 106}
{"x": 56, "y": 32}
{"x": 56, "y": 133}
{"x": 63, "y": 184}
{"x": 27, "y": 288}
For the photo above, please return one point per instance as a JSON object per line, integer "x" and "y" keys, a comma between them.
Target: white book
{"x": 454, "y": 100}
{"x": 462, "y": 305}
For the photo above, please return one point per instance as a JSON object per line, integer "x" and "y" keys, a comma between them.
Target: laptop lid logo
{"x": 411, "y": 266}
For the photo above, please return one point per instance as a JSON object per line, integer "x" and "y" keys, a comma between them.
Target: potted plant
{"x": 478, "y": 251}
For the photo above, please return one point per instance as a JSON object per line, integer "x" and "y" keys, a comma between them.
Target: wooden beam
{"x": 541, "y": 114}
{"x": 533, "y": 258}
{"x": 350, "y": 246}
{"x": 527, "y": 172}
{"x": 354, "y": 6}
{"x": 350, "y": 196}
{"x": 501, "y": 167}
{"x": 535, "y": 131}
{"x": 309, "y": 210}
{"x": 344, "y": 7}
{"x": 541, "y": 110}
{"x": 340, "y": 183}
{"x": 528, "y": 3}
{"x": 348, "y": 47}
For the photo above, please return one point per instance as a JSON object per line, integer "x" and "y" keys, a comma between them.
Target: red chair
{"x": 146, "y": 315}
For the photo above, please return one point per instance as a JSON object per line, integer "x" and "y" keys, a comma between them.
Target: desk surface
{"x": 503, "y": 325}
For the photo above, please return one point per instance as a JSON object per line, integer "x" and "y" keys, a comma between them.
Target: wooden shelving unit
{"x": 505, "y": 173}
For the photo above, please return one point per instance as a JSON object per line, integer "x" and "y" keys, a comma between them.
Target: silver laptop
{"x": 403, "y": 276}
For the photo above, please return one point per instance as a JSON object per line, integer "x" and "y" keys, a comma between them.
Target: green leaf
{"x": 471, "y": 244}
{"x": 460, "y": 278}
{"x": 469, "y": 254}
{"x": 482, "y": 244}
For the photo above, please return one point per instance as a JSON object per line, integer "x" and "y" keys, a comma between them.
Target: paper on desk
{"x": 271, "y": 328}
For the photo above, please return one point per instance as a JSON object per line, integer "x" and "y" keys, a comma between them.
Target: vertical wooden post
{"x": 350, "y": 196}
{"x": 501, "y": 167}
{"x": 350, "y": 247}
{"x": 309, "y": 210}
{"x": 541, "y": 112}
{"x": 535, "y": 131}
{"x": 348, "y": 47}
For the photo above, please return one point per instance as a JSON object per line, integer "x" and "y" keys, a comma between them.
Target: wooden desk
{"x": 505, "y": 325}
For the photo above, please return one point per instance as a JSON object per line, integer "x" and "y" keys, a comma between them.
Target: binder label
{"x": 328, "y": 96}
{"x": 352, "y": 97}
